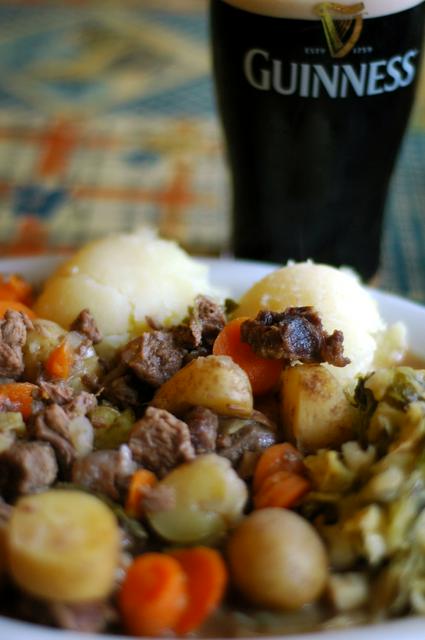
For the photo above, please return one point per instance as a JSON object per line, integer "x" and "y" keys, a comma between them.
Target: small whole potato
{"x": 63, "y": 546}
{"x": 215, "y": 382}
{"x": 277, "y": 559}
{"x": 315, "y": 410}
{"x": 208, "y": 497}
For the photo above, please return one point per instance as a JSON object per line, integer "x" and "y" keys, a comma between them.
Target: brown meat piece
{"x": 203, "y": 427}
{"x": 206, "y": 320}
{"x": 56, "y": 392}
{"x": 86, "y": 324}
{"x": 122, "y": 391}
{"x": 233, "y": 442}
{"x": 51, "y": 425}
{"x": 13, "y": 335}
{"x": 80, "y": 405}
{"x": 200, "y": 352}
{"x": 153, "y": 357}
{"x": 7, "y": 405}
{"x": 296, "y": 334}
{"x": 14, "y": 327}
{"x": 88, "y": 617}
{"x": 26, "y": 467}
{"x": 106, "y": 472}
{"x": 159, "y": 441}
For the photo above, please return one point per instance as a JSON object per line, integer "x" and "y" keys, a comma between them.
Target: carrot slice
{"x": 15, "y": 288}
{"x": 153, "y": 595}
{"x": 16, "y": 306}
{"x": 20, "y": 396}
{"x": 206, "y": 575}
{"x": 141, "y": 481}
{"x": 263, "y": 373}
{"x": 281, "y": 489}
{"x": 59, "y": 362}
{"x": 278, "y": 457}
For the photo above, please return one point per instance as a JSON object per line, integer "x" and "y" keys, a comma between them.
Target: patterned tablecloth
{"x": 107, "y": 121}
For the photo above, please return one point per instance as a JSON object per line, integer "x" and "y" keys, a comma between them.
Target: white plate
{"x": 238, "y": 276}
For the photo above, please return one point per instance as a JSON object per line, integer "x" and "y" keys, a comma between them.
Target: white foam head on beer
{"x": 304, "y": 9}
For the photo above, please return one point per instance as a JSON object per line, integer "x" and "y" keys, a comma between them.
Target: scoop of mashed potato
{"x": 124, "y": 280}
{"x": 342, "y": 303}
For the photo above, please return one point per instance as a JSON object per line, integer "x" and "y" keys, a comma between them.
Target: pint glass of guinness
{"x": 314, "y": 98}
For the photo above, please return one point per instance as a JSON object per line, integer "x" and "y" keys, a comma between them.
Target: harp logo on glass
{"x": 342, "y": 25}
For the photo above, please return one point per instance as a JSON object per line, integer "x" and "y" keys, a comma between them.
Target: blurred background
{"x": 107, "y": 122}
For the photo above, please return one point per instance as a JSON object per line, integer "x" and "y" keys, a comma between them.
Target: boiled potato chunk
{"x": 63, "y": 546}
{"x": 315, "y": 410}
{"x": 215, "y": 382}
{"x": 206, "y": 497}
{"x": 277, "y": 559}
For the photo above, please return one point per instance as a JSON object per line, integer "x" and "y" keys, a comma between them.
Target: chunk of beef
{"x": 80, "y": 405}
{"x": 7, "y": 405}
{"x": 296, "y": 334}
{"x": 206, "y": 320}
{"x": 25, "y": 468}
{"x": 56, "y": 392}
{"x": 51, "y": 425}
{"x": 200, "y": 352}
{"x": 86, "y": 324}
{"x": 89, "y": 617}
{"x": 13, "y": 335}
{"x": 183, "y": 337}
{"x": 14, "y": 327}
{"x": 269, "y": 407}
{"x": 153, "y": 357}
{"x": 239, "y": 436}
{"x": 106, "y": 472}
{"x": 203, "y": 427}
{"x": 122, "y": 391}
{"x": 159, "y": 441}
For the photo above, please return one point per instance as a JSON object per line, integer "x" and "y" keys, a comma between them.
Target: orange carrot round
{"x": 278, "y": 457}
{"x": 141, "y": 481}
{"x": 20, "y": 394}
{"x": 153, "y": 595}
{"x": 16, "y": 306}
{"x": 263, "y": 373}
{"x": 59, "y": 362}
{"x": 206, "y": 576}
{"x": 281, "y": 489}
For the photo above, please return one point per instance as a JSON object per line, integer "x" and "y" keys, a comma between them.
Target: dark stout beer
{"x": 314, "y": 108}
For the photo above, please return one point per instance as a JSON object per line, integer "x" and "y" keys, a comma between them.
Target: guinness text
{"x": 335, "y": 80}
